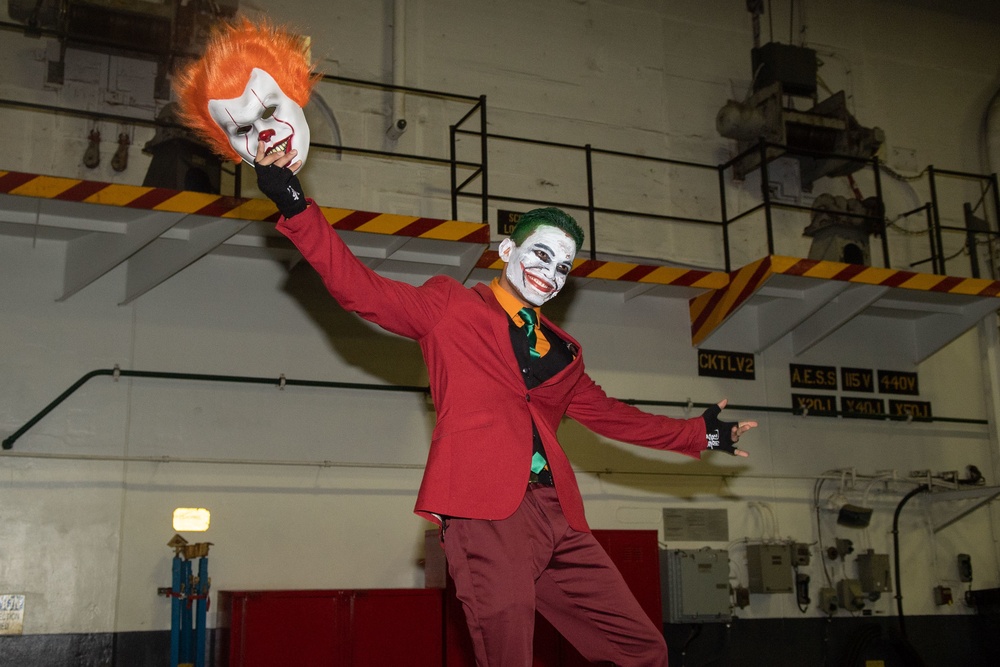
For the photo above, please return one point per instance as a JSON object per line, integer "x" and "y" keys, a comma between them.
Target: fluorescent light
{"x": 192, "y": 519}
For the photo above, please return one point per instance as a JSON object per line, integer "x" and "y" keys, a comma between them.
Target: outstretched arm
{"x": 393, "y": 305}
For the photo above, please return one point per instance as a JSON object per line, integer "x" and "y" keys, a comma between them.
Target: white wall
{"x": 85, "y": 540}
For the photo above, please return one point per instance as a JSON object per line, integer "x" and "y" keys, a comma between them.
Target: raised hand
{"x": 722, "y": 436}
{"x": 278, "y": 181}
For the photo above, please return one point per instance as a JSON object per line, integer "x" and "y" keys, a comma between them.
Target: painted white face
{"x": 537, "y": 269}
{"x": 262, "y": 114}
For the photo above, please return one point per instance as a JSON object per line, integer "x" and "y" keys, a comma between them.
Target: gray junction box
{"x": 695, "y": 586}
{"x": 770, "y": 568}
{"x": 874, "y": 573}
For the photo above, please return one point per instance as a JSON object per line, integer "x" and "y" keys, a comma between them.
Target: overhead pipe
{"x": 281, "y": 382}
{"x": 397, "y": 123}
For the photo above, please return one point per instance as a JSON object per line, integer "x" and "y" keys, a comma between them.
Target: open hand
{"x": 722, "y": 436}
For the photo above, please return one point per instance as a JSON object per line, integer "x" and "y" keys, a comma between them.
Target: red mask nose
{"x": 266, "y": 135}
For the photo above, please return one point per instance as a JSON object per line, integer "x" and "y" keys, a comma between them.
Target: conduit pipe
{"x": 371, "y": 465}
{"x": 397, "y": 123}
{"x": 990, "y": 136}
{"x": 895, "y": 547}
{"x": 281, "y": 382}
{"x": 989, "y": 338}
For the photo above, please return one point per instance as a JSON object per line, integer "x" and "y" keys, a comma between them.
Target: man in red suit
{"x": 502, "y": 376}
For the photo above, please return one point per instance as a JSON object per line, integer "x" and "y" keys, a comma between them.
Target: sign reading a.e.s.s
{"x": 813, "y": 377}
{"x": 721, "y": 364}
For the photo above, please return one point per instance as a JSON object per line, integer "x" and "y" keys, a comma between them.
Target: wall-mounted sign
{"x": 851, "y": 406}
{"x": 506, "y": 221}
{"x": 915, "y": 409}
{"x": 721, "y": 364}
{"x": 11, "y": 614}
{"x": 813, "y": 377}
{"x": 898, "y": 382}
{"x": 695, "y": 525}
{"x": 857, "y": 379}
{"x": 814, "y": 404}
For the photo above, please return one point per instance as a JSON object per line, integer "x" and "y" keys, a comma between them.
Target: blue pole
{"x": 175, "y": 612}
{"x": 202, "y": 609}
{"x": 186, "y": 614}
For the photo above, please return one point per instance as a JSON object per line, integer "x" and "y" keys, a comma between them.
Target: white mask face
{"x": 537, "y": 269}
{"x": 262, "y": 114}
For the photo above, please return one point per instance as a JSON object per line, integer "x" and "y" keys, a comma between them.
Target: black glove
{"x": 282, "y": 187}
{"x": 718, "y": 432}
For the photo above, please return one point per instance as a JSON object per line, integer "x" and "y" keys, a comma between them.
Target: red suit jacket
{"x": 480, "y": 453}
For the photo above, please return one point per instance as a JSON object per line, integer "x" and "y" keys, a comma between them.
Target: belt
{"x": 543, "y": 478}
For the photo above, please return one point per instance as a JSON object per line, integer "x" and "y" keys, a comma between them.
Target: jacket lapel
{"x": 498, "y": 325}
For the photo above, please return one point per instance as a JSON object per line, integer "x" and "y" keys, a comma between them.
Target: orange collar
{"x": 510, "y": 303}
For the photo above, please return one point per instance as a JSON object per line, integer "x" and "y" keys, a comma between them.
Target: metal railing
{"x": 465, "y": 173}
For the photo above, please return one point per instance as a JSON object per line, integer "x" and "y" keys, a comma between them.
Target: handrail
{"x": 281, "y": 382}
{"x": 425, "y": 92}
{"x": 479, "y": 171}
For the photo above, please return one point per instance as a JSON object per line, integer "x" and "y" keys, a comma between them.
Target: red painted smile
{"x": 537, "y": 283}
{"x": 282, "y": 146}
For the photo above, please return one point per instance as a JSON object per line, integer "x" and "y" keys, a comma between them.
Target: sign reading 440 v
{"x": 898, "y": 382}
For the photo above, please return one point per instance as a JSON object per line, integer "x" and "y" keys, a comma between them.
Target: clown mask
{"x": 537, "y": 269}
{"x": 262, "y": 114}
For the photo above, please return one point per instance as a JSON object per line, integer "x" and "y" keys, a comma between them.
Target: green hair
{"x": 547, "y": 217}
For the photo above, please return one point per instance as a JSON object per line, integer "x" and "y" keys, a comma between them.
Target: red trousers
{"x": 505, "y": 570}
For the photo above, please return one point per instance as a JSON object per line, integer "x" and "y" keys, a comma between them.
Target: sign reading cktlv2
{"x": 722, "y": 364}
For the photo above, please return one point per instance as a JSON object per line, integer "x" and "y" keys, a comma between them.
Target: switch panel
{"x": 770, "y": 568}
{"x": 695, "y": 585}
{"x": 873, "y": 572}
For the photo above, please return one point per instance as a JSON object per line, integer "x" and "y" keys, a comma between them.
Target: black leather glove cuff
{"x": 282, "y": 187}
{"x": 718, "y": 432}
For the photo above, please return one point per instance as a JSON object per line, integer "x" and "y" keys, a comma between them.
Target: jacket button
{"x": 527, "y": 397}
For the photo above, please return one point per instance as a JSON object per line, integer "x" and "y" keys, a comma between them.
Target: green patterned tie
{"x": 530, "y": 322}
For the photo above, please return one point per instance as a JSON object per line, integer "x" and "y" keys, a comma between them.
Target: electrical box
{"x": 828, "y": 600}
{"x": 964, "y": 568}
{"x": 695, "y": 585}
{"x": 850, "y": 595}
{"x": 794, "y": 67}
{"x": 943, "y": 596}
{"x": 873, "y": 572}
{"x": 770, "y": 568}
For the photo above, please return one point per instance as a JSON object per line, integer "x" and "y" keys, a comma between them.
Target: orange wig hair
{"x": 222, "y": 72}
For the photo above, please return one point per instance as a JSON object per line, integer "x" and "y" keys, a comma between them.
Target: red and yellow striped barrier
{"x": 179, "y": 201}
{"x": 709, "y": 310}
{"x": 637, "y": 273}
{"x": 725, "y": 292}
